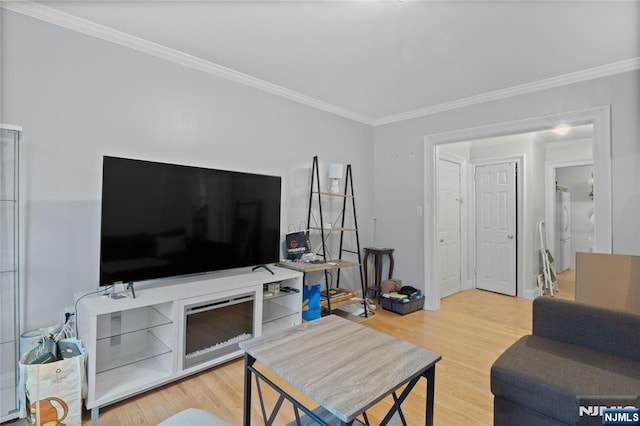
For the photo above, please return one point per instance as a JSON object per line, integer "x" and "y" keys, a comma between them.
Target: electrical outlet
{"x": 69, "y": 312}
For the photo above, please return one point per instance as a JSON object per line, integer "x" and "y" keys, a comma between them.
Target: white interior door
{"x": 496, "y": 228}
{"x": 449, "y": 227}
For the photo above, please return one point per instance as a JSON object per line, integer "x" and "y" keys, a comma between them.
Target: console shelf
{"x": 137, "y": 344}
{"x": 282, "y": 309}
{"x": 129, "y": 348}
{"x": 279, "y": 295}
{"x": 130, "y": 321}
{"x": 130, "y": 379}
{"x": 274, "y": 311}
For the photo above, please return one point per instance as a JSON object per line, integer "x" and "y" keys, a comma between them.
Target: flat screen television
{"x": 165, "y": 220}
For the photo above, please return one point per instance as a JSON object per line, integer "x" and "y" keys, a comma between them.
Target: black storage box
{"x": 400, "y": 307}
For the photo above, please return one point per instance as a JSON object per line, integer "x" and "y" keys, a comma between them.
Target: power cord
{"x": 75, "y": 306}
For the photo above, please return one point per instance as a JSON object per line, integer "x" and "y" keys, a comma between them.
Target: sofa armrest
{"x": 602, "y": 329}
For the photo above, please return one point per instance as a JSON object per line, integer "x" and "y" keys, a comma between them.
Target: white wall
{"x": 79, "y": 98}
{"x": 400, "y": 146}
{"x": 535, "y": 212}
{"x": 576, "y": 150}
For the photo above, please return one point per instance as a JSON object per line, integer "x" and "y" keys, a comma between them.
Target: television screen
{"x": 163, "y": 220}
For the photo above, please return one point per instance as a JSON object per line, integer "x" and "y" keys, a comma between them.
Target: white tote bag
{"x": 53, "y": 391}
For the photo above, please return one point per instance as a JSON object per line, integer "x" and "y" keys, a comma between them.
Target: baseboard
{"x": 532, "y": 293}
{"x": 466, "y": 285}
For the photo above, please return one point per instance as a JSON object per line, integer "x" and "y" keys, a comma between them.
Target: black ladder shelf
{"x": 324, "y": 231}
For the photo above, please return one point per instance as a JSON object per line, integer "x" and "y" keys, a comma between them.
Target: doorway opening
{"x": 493, "y": 206}
{"x": 570, "y": 212}
{"x": 537, "y": 171}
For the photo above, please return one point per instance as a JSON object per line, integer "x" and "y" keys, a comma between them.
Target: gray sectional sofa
{"x": 577, "y": 358}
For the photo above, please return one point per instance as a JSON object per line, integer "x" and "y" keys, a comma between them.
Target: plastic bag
{"x": 311, "y": 309}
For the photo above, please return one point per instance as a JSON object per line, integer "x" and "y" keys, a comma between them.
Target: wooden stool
{"x": 378, "y": 256}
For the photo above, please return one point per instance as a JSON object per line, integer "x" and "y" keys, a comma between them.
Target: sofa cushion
{"x": 595, "y": 327}
{"x": 549, "y": 376}
{"x": 506, "y": 413}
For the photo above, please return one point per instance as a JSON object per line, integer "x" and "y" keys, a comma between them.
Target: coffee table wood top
{"x": 330, "y": 360}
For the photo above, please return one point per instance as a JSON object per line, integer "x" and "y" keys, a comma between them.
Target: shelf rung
{"x": 332, "y": 229}
{"x": 331, "y": 194}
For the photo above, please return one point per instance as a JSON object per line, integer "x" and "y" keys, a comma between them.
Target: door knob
{"x": 442, "y": 241}
{"x": 510, "y": 236}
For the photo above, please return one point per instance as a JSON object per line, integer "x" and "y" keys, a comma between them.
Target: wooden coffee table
{"x": 327, "y": 360}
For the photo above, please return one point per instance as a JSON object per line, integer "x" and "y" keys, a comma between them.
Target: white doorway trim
{"x": 600, "y": 117}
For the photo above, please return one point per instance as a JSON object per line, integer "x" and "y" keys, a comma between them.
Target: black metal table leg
{"x": 431, "y": 378}
{"x": 248, "y": 362}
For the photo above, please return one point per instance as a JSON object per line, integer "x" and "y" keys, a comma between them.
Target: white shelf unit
{"x": 137, "y": 344}
{"x": 9, "y": 270}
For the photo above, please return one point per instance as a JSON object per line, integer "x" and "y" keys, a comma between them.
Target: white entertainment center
{"x": 136, "y": 344}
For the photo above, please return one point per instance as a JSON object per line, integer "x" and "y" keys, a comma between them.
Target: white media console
{"x": 176, "y": 327}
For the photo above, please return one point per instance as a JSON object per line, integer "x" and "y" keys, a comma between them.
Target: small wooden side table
{"x": 341, "y": 388}
{"x": 378, "y": 257}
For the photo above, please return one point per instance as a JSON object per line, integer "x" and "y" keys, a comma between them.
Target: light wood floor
{"x": 470, "y": 331}
{"x": 566, "y": 284}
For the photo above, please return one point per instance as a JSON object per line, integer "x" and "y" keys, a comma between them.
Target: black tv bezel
{"x": 276, "y": 242}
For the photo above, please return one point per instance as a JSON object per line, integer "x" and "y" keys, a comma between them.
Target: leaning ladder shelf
{"x": 548, "y": 275}
{"x": 339, "y": 263}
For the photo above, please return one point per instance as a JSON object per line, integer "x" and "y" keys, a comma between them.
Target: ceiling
{"x": 382, "y": 61}
{"x": 579, "y": 133}
{"x": 582, "y": 132}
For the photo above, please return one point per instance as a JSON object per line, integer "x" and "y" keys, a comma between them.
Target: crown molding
{"x": 549, "y": 83}
{"x": 93, "y": 29}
